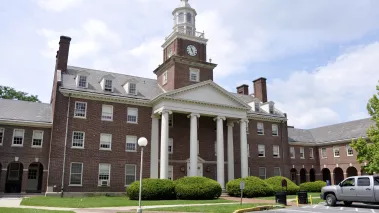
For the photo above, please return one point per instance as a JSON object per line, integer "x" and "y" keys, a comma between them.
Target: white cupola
{"x": 185, "y": 18}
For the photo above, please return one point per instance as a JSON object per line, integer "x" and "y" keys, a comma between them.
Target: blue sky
{"x": 321, "y": 58}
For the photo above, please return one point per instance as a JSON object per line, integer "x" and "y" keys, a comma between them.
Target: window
{"x": 76, "y": 174}
{"x": 336, "y": 151}
{"x": 260, "y": 129}
{"x": 107, "y": 113}
{"x": 130, "y": 174}
{"x": 14, "y": 171}
{"x": 78, "y": 139}
{"x": 348, "y": 182}
{"x": 132, "y": 115}
{"x": 105, "y": 141}
{"x": 248, "y": 150}
{"x": 132, "y": 88}
{"x": 82, "y": 81}
{"x": 18, "y": 137}
{"x": 194, "y": 74}
{"x": 170, "y": 175}
{"x": 302, "y": 152}
{"x": 262, "y": 172}
{"x": 364, "y": 181}
{"x": 271, "y": 109}
{"x": 311, "y": 153}
{"x": 181, "y": 17}
{"x": 277, "y": 171}
{"x": 32, "y": 174}
{"x": 80, "y": 109}
{"x": 292, "y": 152}
{"x": 171, "y": 120}
{"x": 189, "y": 17}
{"x": 37, "y": 138}
{"x": 323, "y": 152}
{"x": 275, "y": 151}
{"x": 349, "y": 150}
{"x": 104, "y": 174}
{"x": 1, "y": 136}
{"x": 108, "y": 85}
{"x": 275, "y": 130}
{"x": 170, "y": 145}
{"x": 257, "y": 106}
{"x": 165, "y": 77}
{"x": 248, "y": 171}
{"x": 261, "y": 151}
{"x": 131, "y": 143}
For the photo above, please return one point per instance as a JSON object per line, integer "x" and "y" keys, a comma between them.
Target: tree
{"x": 11, "y": 93}
{"x": 368, "y": 151}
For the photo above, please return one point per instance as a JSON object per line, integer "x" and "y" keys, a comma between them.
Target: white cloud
{"x": 58, "y": 5}
{"x": 332, "y": 93}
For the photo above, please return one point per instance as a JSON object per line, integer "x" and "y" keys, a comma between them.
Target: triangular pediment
{"x": 207, "y": 92}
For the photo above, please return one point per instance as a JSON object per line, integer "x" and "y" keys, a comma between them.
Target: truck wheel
{"x": 330, "y": 200}
{"x": 347, "y": 203}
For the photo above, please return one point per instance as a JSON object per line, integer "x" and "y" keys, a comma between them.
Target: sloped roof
{"x": 15, "y": 110}
{"x": 336, "y": 132}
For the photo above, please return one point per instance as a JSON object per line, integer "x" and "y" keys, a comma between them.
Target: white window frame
{"x": 259, "y": 173}
{"x": 347, "y": 150}
{"x": 76, "y": 108}
{"x": 292, "y": 151}
{"x": 280, "y": 172}
{"x": 106, "y": 87}
{"x": 302, "y": 153}
{"x": 248, "y": 150}
{"x": 109, "y": 175}
{"x": 170, "y": 171}
{"x": 165, "y": 77}
{"x": 23, "y": 137}
{"x": 81, "y": 174}
{"x": 37, "y": 146}
{"x": 196, "y": 72}
{"x": 130, "y": 88}
{"x": 86, "y": 81}
{"x": 273, "y": 151}
{"x": 101, "y": 141}
{"x": 336, "y": 148}
{"x": 257, "y": 106}
{"x": 311, "y": 153}
{"x": 135, "y": 173}
{"x": 264, "y": 150}
{"x": 84, "y": 139}
{"x": 127, "y": 117}
{"x": 260, "y": 128}
{"x": 322, "y": 153}
{"x": 105, "y": 115}
{"x": 134, "y": 142}
{"x": 2, "y": 132}
{"x": 170, "y": 144}
{"x": 275, "y": 129}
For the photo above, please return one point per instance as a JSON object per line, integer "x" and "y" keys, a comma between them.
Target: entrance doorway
{"x": 293, "y": 173}
{"x": 14, "y": 178}
{"x": 199, "y": 169}
{"x": 35, "y": 175}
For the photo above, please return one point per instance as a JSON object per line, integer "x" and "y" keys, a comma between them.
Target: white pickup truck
{"x": 363, "y": 189}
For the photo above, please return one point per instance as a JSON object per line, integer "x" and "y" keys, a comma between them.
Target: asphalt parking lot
{"x": 322, "y": 208}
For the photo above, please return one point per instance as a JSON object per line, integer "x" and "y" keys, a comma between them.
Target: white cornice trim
{"x": 320, "y": 144}
{"x": 176, "y": 35}
{"x": 264, "y": 117}
{"x": 26, "y": 123}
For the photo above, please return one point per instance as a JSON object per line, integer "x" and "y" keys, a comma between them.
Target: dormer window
{"x": 271, "y": 108}
{"x": 132, "y": 88}
{"x": 82, "y": 81}
{"x": 194, "y": 74}
{"x": 257, "y": 106}
{"x": 108, "y": 85}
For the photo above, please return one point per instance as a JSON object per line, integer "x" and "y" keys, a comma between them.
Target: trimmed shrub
{"x": 152, "y": 189}
{"x": 197, "y": 188}
{"x": 313, "y": 186}
{"x": 254, "y": 187}
{"x": 276, "y": 183}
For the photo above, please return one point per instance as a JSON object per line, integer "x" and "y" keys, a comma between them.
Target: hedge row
{"x": 186, "y": 188}
{"x": 312, "y": 186}
{"x": 276, "y": 183}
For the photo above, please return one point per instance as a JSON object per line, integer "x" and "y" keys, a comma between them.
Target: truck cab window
{"x": 348, "y": 182}
{"x": 365, "y": 181}
{"x": 376, "y": 181}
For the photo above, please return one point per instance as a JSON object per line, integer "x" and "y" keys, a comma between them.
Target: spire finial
{"x": 184, "y": 3}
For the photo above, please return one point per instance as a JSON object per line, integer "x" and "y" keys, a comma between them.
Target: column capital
{"x": 166, "y": 111}
{"x": 155, "y": 116}
{"x": 219, "y": 118}
{"x": 245, "y": 120}
{"x": 230, "y": 123}
{"x": 193, "y": 114}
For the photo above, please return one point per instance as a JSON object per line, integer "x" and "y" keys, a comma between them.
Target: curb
{"x": 258, "y": 208}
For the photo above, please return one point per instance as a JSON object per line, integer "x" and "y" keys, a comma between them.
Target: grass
{"x": 104, "y": 201}
{"x": 227, "y": 208}
{"x": 19, "y": 210}
{"x": 314, "y": 195}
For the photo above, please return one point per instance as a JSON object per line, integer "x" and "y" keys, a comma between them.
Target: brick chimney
{"x": 62, "y": 53}
{"x": 243, "y": 89}
{"x": 260, "y": 89}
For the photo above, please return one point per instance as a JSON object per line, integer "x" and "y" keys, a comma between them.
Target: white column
{"x": 154, "y": 144}
{"x": 244, "y": 162}
{"x": 220, "y": 152}
{"x": 193, "y": 145}
{"x": 230, "y": 151}
{"x": 164, "y": 145}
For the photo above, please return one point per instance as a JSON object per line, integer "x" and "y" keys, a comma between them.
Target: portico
{"x": 205, "y": 99}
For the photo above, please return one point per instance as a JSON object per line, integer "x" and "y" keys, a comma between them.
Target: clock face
{"x": 191, "y": 50}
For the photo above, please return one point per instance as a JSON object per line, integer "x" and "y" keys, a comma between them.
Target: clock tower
{"x": 184, "y": 52}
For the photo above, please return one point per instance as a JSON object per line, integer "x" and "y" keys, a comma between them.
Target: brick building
{"x": 85, "y": 139}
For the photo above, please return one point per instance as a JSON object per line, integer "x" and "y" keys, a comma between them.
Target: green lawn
{"x": 18, "y": 210}
{"x": 103, "y": 201}
{"x": 313, "y": 194}
{"x": 227, "y": 208}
